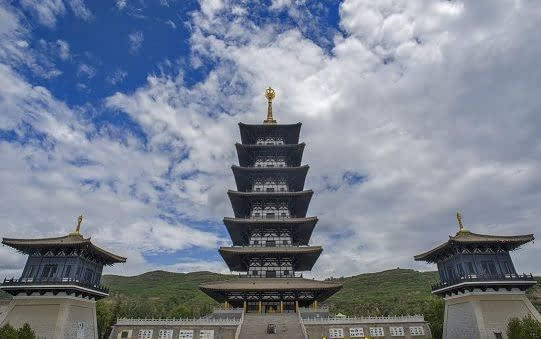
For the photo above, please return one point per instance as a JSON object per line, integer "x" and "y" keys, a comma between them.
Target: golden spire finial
{"x": 460, "y": 225}
{"x": 79, "y": 221}
{"x": 269, "y": 94}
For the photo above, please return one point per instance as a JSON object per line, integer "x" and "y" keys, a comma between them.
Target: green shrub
{"x": 527, "y": 328}
{"x": 8, "y": 332}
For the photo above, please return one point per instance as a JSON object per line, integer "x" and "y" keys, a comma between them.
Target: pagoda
{"x": 270, "y": 230}
{"x": 479, "y": 282}
{"x": 60, "y": 283}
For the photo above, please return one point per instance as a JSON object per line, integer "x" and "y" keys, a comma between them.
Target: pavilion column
{"x": 281, "y": 306}
{"x": 297, "y": 306}
{"x": 260, "y": 306}
{"x": 226, "y": 304}
{"x": 314, "y": 304}
{"x": 244, "y": 306}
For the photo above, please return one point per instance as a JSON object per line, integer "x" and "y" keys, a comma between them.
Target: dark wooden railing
{"x": 54, "y": 281}
{"x": 483, "y": 278}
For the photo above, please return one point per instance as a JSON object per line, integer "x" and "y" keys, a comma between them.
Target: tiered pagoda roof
{"x": 292, "y": 152}
{"x": 237, "y": 258}
{"x": 70, "y": 241}
{"x": 70, "y": 264}
{"x": 299, "y": 228}
{"x": 244, "y": 176}
{"x": 297, "y": 202}
{"x": 467, "y": 238}
{"x": 250, "y": 133}
{"x": 270, "y": 229}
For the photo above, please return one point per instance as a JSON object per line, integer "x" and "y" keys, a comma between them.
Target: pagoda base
{"x": 484, "y": 315}
{"x": 53, "y": 316}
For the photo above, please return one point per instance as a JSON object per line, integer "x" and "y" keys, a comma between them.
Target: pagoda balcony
{"x": 50, "y": 283}
{"x": 485, "y": 281}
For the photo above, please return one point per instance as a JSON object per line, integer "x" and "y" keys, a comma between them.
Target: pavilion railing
{"x": 172, "y": 322}
{"x": 291, "y": 275}
{"x": 54, "y": 281}
{"x": 364, "y": 320}
{"x": 482, "y": 278}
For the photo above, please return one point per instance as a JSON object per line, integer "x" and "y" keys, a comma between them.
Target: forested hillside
{"x": 162, "y": 294}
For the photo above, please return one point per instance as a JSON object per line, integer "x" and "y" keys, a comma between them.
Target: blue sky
{"x": 126, "y": 111}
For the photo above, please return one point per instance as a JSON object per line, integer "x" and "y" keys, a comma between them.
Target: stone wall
{"x": 481, "y": 314}
{"x": 132, "y": 331}
{"x": 53, "y": 317}
{"x": 318, "y": 331}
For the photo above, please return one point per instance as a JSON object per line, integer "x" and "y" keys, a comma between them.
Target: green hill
{"x": 160, "y": 294}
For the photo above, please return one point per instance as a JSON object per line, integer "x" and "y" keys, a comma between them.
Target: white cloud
{"x": 117, "y": 77}
{"x": 63, "y": 49}
{"x": 120, "y": 4}
{"x": 135, "y": 40}
{"x": 79, "y": 9}
{"x": 86, "y": 70}
{"x": 171, "y": 24}
{"x": 15, "y": 48}
{"x": 433, "y": 103}
{"x": 45, "y": 10}
{"x": 408, "y": 98}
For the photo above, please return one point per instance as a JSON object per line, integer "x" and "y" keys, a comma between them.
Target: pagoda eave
{"x": 237, "y": 258}
{"x": 298, "y": 201}
{"x": 42, "y": 288}
{"x": 244, "y": 175}
{"x": 223, "y": 289}
{"x": 250, "y": 132}
{"x": 301, "y": 228}
{"x": 469, "y": 239}
{"x": 29, "y": 246}
{"x": 292, "y": 152}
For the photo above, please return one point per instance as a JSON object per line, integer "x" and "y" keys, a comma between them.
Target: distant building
{"x": 59, "y": 286}
{"x": 480, "y": 285}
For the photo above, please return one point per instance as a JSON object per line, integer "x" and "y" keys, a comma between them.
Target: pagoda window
{"x": 270, "y": 185}
{"x": 471, "y": 268}
{"x": 460, "y": 270}
{"x": 270, "y": 274}
{"x": 270, "y": 141}
{"x": 270, "y": 161}
{"x": 88, "y": 275}
{"x": 48, "y": 271}
{"x": 30, "y": 271}
{"x": 78, "y": 272}
{"x": 270, "y": 243}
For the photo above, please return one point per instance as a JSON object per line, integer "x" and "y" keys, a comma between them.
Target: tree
{"x": 25, "y": 332}
{"x": 8, "y": 332}
{"x": 527, "y": 328}
{"x": 434, "y": 313}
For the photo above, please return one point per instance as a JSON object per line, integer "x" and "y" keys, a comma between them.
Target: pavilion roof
{"x": 297, "y": 201}
{"x": 236, "y": 257}
{"x": 465, "y": 237}
{"x": 72, "y": 240}
{"x": 301, "y": 228}
{"x": 244, "y": 175}
{"x": 250, "y": 132}
{"x": 247, "y": 153}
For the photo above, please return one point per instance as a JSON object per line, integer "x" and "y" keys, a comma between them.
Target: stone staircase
{"x": 288, "y": 326}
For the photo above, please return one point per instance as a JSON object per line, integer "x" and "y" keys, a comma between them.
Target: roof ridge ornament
{"x": 461, "y": 228}
{"x": 270, "y": 94}
{"x": 78, "y": 229}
